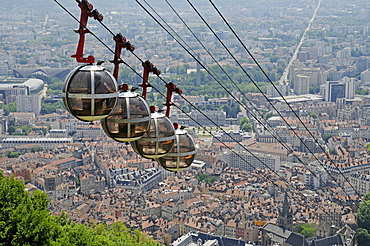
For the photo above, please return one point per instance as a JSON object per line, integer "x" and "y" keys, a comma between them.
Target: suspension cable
{"x": 334, "y": 179}
{"x": 326, "y": 169}
{"x": 286, "y": 102}
{"x": 203, "y": 115}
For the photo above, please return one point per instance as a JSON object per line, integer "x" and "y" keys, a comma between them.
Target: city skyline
{"x": 312, "y": 148}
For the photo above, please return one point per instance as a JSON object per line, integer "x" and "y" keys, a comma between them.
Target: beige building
{"x": 29, "y": 103}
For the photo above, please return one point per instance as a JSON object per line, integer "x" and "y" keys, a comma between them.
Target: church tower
{"x": 285, "y": 219}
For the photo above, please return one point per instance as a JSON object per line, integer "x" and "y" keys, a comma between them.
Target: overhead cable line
{"x": 233, "y": 96}
{"x": 300, "y": 120}
{"x": 200, "y": 110}
{"x": 283, "y": 179}
{"x": 265, "y": 125}
{"x": 297, "y": 116}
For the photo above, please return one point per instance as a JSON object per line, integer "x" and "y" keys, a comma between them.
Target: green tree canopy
{"x": 326, "y": 137}
{"x": 10, "y": 107}
{"x": 363, "y": 222}
{"x": 245, "y": 124}
{"x": 307, "y": 230}
{"x": 26, "y": 220}
{"x": 205, "y": 178}
{"x": 48, "y": 108}
{"x": 362, "y": 237}
{"x": 363, "y": 216}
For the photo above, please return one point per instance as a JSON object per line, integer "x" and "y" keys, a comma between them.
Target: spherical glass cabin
{"x": 182, "y": 153}
{"x": 129, "y": 120}
{"x": 90, "y": 92}
{"x": 158, "y": 140}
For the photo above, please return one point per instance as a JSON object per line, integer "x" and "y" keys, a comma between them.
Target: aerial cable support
{"x": 90, "y": 90}
{"x": 171, "y": 88}
{"x": 86, "y": 12}
{"x": 148, "y": 68}
{"x": 121, "y": 43}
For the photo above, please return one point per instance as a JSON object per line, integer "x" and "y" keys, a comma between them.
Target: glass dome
{"x": 182, "y": 153}
{"x": 158, "y": 140}
{"x": 90, "y": 92}
{"x": 129, "y": 119}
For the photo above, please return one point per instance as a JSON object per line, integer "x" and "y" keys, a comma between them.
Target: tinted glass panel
{"x": 80, "y": 83}
{"x": 165, "y": 128}
{"x": 186, "y": 143}
{"x": 165, "y": 146}
{"x": 138, "y": 129}
{"x": 103, "y": 83}
{"x": 104, "y": 106}
{"x": 80, "y": 106}
{"x": 151, "y": 132}
{"x": 138, "y": 108}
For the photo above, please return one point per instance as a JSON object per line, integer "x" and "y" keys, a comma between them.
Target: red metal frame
{"x": 148, "y": 68}
{"x": 120, "y": 44}
{"x": 171, "y": 87}
{"x": 86, "y": 12}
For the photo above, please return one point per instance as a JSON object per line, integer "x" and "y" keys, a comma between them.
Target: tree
{"x": 367, "y": 197}
{"x": 314, "y": 89}
{"x": 307, "y": 230}
{"x": 24, "y": 218}
{"x": 362, "y": 92}
{"x": 26, "y": 129}
{"x": 268, "y": 116}
{"x": 245, "y": 125}
{"x": 363, "y": 216}
{"x": 10, "y": 107}
{"x": 362, "y": 237}
{"x": 363, "y": 222}
{"x": 368, "y": 147}
{"x": 48, "y": 108}
{"x": 12, "y": 154}
{"x": 326, "y": 137}
{"x": 205, "y": 178}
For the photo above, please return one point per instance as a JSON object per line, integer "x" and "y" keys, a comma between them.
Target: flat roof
{"x": 299, "y": 98}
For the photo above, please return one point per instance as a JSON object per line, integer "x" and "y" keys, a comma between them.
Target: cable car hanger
{"x": 90, "y": 90}
{"x": 148, "y": 68}
{"x": 86, "y": 12}
{"x": 121, "y": 43}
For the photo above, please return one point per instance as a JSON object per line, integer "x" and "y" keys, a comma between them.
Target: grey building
{"x": 246, "y": 161}
{"x": 45, "y": 143}
{"x": 275, "y": 235}
{"x": 143, "y": 180}
{"x": 209, "y": 117}
{"x": 204, "y": 239}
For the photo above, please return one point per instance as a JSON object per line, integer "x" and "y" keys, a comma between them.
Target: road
{"x": 284, "y": 78}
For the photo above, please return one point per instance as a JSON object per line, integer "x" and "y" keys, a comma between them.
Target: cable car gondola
{"x": 158, "y": 140}
{"x": 130, "y": 119}
{"x": 182, "y": 153}
{"x": 90, "y": 92}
